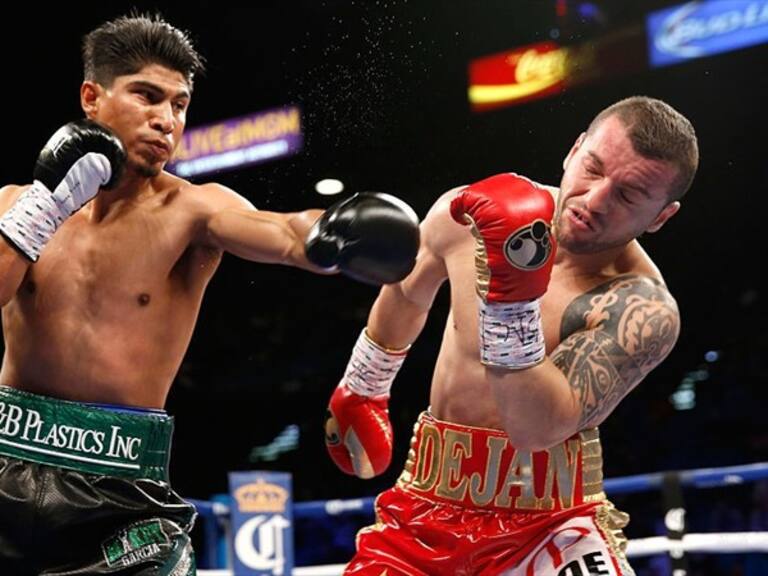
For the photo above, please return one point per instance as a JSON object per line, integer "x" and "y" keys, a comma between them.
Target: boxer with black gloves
{"x": 104, "y": 261}
{"x": 556, "y": 314}
{"x": 372, "y": 237}
{"x": 78, "y": 160}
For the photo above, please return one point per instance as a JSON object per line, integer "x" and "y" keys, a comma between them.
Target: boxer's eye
{"x": 592, "y": 170}
{"x": 625, "y": 196}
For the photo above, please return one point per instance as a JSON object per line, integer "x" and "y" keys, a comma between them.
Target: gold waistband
{"x": 479, "y": 468}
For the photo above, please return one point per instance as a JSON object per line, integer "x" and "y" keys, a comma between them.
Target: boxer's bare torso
{"x": 108, "y": 311}
{"x": 579, "y": 297}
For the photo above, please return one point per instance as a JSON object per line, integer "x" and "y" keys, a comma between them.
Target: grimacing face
{"x": 609, "y": 194}
{"x": 147, "y": 110}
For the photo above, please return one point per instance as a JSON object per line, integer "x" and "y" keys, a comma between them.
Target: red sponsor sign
{"x": 544, "y": 69}
{"x": 517, "y": 76}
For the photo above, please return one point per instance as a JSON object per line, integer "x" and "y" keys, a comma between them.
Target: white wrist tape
{"x": 37, "y": 213}
{"x": 511, "y": 334}
{"x": 372, "y": 368}
{"x": 32, "y": 220}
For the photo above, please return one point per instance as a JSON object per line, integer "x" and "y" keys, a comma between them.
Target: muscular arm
{"x": 235, "y": 226}
{"x": 400, "y": 312}
{"x": 13, "y": 266}
{"x": 259, "y": 236}
{"x": 618, "y": 332}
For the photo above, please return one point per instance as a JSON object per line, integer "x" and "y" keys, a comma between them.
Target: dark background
{"x": 382, "y": 85}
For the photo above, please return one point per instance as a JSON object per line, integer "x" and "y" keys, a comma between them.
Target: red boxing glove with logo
{"x": 358, "y": 434}
{"x": 511, "y": 219}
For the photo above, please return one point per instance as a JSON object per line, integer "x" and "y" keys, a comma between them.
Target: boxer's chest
{"x": 127, "y": 261}
{"x": 557, "y": 305}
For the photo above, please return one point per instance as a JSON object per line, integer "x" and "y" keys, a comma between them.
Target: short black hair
{"x": 126, "y": 44}
{"x": 658, "y": 131}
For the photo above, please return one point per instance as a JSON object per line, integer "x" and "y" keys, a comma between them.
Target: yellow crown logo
{"x": 261, "y": 497}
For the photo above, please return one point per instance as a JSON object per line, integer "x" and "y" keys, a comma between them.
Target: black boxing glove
{"x": 79, "y": 159}
{"x": 371, "y": 237}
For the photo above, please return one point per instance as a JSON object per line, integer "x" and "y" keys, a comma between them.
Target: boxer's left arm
{"x": 358, "y": 434}
{"x": 619, "y": 332}
{"x": 371, "y": 237}
{"x": 234, "y": 225}
{"x": 626, "y": 330}
{"x": 399, "y": 313}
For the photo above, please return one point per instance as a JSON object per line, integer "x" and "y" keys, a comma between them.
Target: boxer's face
{"x": 147, "y": 110}
{"x": 609, "y": 194}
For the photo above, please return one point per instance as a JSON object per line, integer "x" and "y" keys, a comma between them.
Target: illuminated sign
{"x": 702, "y": 28}
{"x": 528, "y": 73}
{"x": 238, "y": 142}
{"x": 516, "y": 76}
{"x": 262, "y": 523}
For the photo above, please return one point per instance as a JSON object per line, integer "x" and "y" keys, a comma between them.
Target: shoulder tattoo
{"x": 611, "y": 337}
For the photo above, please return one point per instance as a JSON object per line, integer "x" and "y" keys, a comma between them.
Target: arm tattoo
{"x": 611, "y": 337}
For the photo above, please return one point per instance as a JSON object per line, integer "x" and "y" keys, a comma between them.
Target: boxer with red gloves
{"x": 556, "y": 314}
{"x": 511, "y": 217}
{"x": 358, "y": 434}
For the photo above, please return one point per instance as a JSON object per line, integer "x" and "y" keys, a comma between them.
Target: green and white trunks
{"x": 84, "y": 490}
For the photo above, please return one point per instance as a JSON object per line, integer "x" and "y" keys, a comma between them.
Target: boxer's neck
{"x": 130, "y": 189}
{"x": 594, "y": 263}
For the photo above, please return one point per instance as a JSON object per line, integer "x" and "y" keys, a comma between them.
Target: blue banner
{"x": 705, "y": 27}
{"x": 262, "y": 523}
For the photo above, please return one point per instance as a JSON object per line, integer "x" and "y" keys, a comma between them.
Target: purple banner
{"x": 238, "y": 142}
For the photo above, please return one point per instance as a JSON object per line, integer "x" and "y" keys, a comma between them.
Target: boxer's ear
{"x": 667, "y": 213}
{"x": 574, "y": 149}
{"x": 90, "y": 98}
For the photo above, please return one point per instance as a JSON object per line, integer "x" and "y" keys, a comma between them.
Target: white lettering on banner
{"x": 123, "y": 446}
{"x": 10, "y": 416}
{"x": 269, "y": 554}
{"x": 28, "y": 428}
{"x": 141, "y": 554}
{"x": 682, "y": 27}
{"x": 232, "y": 158}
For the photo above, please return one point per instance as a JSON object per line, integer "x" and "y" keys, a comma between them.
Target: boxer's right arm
{"x": 358, "y": 431}
{"x": 371, "y": 237}
{"x": 13, "y": 266}
{"x": 77, "y": 161}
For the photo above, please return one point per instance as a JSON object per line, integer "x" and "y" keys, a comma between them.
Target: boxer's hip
{"x": 89, "y": 483}
{"x": 479, "y": 468}
{"x": 88, "y": 439}
{"x": 468, "y": 502}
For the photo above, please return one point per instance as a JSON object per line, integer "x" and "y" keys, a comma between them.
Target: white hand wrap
{"x": 37, "y": 213}
{"x": 511, "y": 334}
{"x": 372, "y": 368}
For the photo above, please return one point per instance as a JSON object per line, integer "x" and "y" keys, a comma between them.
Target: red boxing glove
{"x": 511, "y": 217}
{"x": 358, "y": 434}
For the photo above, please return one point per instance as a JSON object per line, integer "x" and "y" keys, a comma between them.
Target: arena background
{"x": 383, "y": 89}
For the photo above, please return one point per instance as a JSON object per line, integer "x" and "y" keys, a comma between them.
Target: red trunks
{"x": 469, "y": 504}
